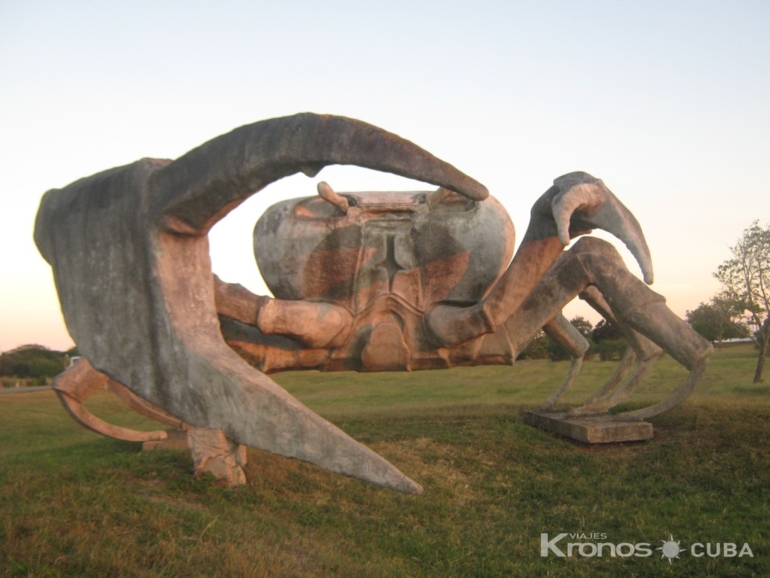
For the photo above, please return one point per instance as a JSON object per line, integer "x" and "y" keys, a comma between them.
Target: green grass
{"x": 75, "y": 504}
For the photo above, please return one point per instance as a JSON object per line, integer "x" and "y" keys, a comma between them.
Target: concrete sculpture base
{"x": 592, "y": 429}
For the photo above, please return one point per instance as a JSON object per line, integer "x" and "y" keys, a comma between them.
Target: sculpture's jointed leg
{"x": 640, "y": 348}
{"x": 595, "y": 262}
{"x": 573, "y": 206}
{"x": 314, "y": 324}
{"x": 542, "y": 279}
{"x": 624, "y": 367}
{"x": 81, "y": 381}
{"x": 565, "y": 334}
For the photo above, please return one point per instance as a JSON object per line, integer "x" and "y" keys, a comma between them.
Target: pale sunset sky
{"x": 667, "y": 101}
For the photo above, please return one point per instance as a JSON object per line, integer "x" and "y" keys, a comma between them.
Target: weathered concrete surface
{"x": 213, "y": 453}
{"x": 78, "y": 383}
{"x": 358, "y": 283}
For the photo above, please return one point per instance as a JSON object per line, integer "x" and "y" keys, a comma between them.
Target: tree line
{"x": 35, "y": 364}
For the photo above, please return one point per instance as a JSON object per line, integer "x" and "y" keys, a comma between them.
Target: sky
{"x": 666, "y": 101}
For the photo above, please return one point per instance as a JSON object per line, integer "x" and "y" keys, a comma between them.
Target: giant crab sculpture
{"x": 361, "y": 281}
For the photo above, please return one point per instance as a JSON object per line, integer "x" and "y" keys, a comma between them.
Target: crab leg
{"x": 625, "y": 365}
{"x": 317, "y": 325}
{"x": 649, "y": 354}
{"x": 75, "y": 385}
{"x": 595, "y": 262}
{"x": 539, "y": 281}
{"x": 605, "y": 403}
{"x": 639, "y": 348}
{"x": 565, "y": 334}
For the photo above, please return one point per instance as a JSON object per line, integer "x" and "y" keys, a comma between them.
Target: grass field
{"x": 75, "y": 504}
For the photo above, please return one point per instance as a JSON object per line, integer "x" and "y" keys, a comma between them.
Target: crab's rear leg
{"x": 648, "y": 354}
{"x": 640, "y": 348}
{"x": 625, "y": 365}
{"x": 593, "y": 262}
{"x": 570, "y": 339}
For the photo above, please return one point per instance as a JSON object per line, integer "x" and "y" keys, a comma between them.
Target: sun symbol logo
{"x": 670, "y": 549}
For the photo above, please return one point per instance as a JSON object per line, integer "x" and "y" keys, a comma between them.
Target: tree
{"x": 31, "y": 361}
{"x": 605, "y": 331}
{"x": 746, "y": 280}
{"x": 583, "y": 325}
{"x": 719, "y": 319}
{"x": 609, "y": 341}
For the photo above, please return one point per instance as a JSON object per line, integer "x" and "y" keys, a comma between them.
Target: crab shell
{"x": 388, "y": 259}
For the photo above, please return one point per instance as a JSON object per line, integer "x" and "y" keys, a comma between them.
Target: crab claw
{"x": 130, "y": 255}
{"x": 584, "y": 202}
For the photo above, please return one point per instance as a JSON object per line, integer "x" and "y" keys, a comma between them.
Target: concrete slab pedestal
{"x": 590, "y": 429}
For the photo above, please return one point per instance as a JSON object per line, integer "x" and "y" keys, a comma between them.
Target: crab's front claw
{"x": 582, "y": 202}
{"x": 130, "y": 256}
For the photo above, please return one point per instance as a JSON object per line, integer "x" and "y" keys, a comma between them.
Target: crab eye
{"x": 328, "y": 194}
